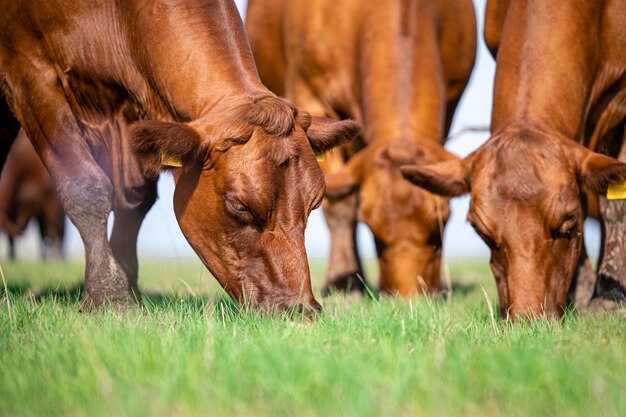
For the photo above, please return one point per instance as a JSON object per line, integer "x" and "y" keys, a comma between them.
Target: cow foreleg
{"x": 124, "y": 238}
{"x": 344, "y": 271}
{"x": 9, "y": 127}
{"x": 11, "y": 248}
{"x": 52, "y": 229}
{"x": 85, "y": 190}
{"x": 87, "y": 200}
{"x": 581, "y": 289}
{"x": 344, "y": 264}
{"x": 610, "y": 288}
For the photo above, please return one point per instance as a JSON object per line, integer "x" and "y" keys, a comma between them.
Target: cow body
{"x": 107, "y": 89}
{"x": 560, "y": 84}
{"x": 27, "y": 192}
{"x": 398, "y": 67}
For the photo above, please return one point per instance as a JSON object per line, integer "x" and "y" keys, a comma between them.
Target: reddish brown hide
{"x": 103, "y": 96}
{"x": 27, "y": 192}
{"x": 399, "y": 67}
{"x": 560, "y": 84}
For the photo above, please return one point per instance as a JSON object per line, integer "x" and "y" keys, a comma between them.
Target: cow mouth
{"x": 259, "y": 298}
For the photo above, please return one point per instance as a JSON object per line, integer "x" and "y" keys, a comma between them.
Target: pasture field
{"x": 191, "y": 352}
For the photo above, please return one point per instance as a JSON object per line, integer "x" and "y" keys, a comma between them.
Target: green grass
{"x": 191, "y": 352}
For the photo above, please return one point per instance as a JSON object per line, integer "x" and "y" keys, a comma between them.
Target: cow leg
{"x": 345, "y": 272}
{"x": 610, "y": 288}
{"x": 87, "y": 198}
{"x": 45, "y": 241}
{"x": 85, "y": 190}
{"x": 52, "y": 229}
{"x": 9, "y": 127}
{"x": 11, "y": 248}
{"x": 124, "y": 238}
{"x": 51, "y": 242}
{"x": 581, "y": 289}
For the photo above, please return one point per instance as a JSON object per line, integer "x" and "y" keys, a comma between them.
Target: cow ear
{"x": 439, "y": 154}
{"x": 447, "y": 178}
{"x": 597, "y": 171}
{"x": 160, "y": 145}
{"x": 324, "y": 134}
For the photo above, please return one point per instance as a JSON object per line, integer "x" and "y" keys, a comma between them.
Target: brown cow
{"x": 398, "y": 67}
{"x": 560, "y": 84}
{"x": 109, "y": 90}
{"x": 26, "y": 191}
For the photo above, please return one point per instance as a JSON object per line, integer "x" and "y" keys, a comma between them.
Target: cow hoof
{"x": 348, "y": 283}
{"x": 96, "y": 302}
{"x": 600, "y": 304}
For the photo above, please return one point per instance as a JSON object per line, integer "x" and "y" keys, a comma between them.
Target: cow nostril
{"x": 311, "y": 310}
{"x": 316, "y": 307}
{"x": 308, "y": 310}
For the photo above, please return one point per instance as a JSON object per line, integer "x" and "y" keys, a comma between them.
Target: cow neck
{"x": 208, "y": 57}
{"x": 403, "y": 94}
{"x": 546, "y": 65}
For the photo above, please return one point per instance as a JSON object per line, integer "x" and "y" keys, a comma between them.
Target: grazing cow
{"x": 560, "y": 92}
{"x": 26, "y": 191}
{"x": 399, "y": 67}
{"x": 110, "y": 92}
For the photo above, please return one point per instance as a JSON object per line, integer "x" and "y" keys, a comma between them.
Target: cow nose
{"x": 315, "y": 307}
{"x": 310, "y": 310}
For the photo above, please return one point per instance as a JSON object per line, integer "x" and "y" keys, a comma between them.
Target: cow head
{"x": 526, "y": 189}
{"x": 246, "y": 185}
{"x": 406, "y": 221}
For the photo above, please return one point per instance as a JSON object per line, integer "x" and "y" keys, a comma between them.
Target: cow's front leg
{"x": 12, "y": 248}
{"x": 85, "y": 190}
{"x": 581, "y": 289}
{"x": 610, "y": 286}
{"x": 52, "y": 229}
{"x": 610, "y": 289}
{"x": 344, "y": 272}
{"x": 9, "y": 127}
{"x": 124, "y": 238}
{"x": 87, "y": 199}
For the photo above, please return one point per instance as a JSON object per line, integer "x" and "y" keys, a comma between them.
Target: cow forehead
{"x": 521, "y": 170}
{"x": 272, "y": 167}
{"x": 394, "y": 207}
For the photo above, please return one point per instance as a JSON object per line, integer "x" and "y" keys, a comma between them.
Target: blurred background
{"x": 160, "y": 235}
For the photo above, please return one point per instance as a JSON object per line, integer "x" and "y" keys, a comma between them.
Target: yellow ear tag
{"x": 170, "y": 161}
{"x": 319, "y": 155}
{"x": 616, "y": 191}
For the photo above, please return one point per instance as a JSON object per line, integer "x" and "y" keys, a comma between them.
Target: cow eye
{"x": 567, "y": 226}
{"x": 236, "y": 207}
{"x": 486, "y": 238}
{"x": 318, "y": 202}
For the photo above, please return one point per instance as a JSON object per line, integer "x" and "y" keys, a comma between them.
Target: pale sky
{"x": 160, "y": 235}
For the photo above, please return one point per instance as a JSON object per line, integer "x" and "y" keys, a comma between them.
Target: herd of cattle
{"x": 113, "y": 93}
